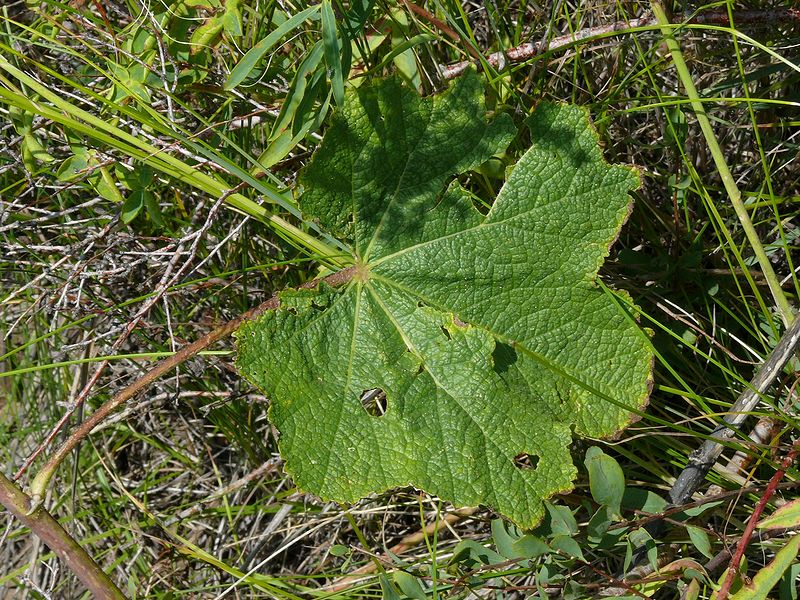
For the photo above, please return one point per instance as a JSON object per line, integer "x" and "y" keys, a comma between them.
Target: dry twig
{"x": 523, "y": 52}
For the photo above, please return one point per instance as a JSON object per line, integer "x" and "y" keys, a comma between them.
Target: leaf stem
{"x": 725, "y": 174}
{"x": 43, "y": 477}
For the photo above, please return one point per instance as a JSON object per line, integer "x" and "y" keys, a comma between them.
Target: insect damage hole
{"x": 374, "y": 402}
{"x": 525, "y": 461}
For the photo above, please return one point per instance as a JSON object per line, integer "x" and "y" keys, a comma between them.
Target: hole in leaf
{"x": 445, "y": 332}
{"x": 526, "y": 461}
{"x": 374, "y": 402}
{"x": 503, "y": 357}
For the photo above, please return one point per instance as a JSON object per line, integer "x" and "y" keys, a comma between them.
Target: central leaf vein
{"x": 396, "y": 192}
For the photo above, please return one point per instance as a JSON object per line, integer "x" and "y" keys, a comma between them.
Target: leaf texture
{"x": 487, "y": 333}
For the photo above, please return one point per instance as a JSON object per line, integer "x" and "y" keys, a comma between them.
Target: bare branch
{"x": 523, "y": 52}
{"x": 702, "y": 459}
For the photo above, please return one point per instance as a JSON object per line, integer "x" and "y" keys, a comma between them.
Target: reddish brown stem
{"x": 733, "y": 568}
{"x": 42, "y": 479}
{"x": 441, "y": 26}
{"x": 129, "y": 328}
{"x": 50, "y": 531}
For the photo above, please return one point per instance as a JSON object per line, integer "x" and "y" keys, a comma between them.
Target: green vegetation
{"x": 152, "y": 187}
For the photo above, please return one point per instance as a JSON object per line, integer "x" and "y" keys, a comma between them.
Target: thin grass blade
{"x": 245, "y": 66}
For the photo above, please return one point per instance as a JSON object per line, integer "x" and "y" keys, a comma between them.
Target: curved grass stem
{"x": 86, "y": 124}
{"x": 734, "y": 194}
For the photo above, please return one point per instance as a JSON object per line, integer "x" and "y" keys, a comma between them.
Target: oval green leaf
{"x": 606, "y": 479}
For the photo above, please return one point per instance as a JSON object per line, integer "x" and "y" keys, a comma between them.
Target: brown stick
{"x": 702, "y": 459}
{"x": 441, "y": 26}
{"x": 168, "y": 277}
{"x": 42, "y": 479}
{"x": 50, "y": 531}
{"x": 526, "y": 51}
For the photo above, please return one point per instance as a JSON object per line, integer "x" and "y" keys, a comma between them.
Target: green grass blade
{"x": 781, "y": 302}
{"x": 248, "y": 62}
{"x": 333, "y": 59}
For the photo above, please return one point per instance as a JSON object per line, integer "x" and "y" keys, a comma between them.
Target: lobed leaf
{"x": 486, "y": 334}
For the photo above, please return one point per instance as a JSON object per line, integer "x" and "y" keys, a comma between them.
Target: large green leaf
{"x": 487, "y": 334}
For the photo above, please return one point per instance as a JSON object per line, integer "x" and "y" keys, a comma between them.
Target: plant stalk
{"x": 736, "y": 561}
